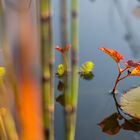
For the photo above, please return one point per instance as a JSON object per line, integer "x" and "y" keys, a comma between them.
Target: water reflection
{"x": 130, "y": 35}
{"x": 65, "y": 99}
{"x": 119, "y": 120}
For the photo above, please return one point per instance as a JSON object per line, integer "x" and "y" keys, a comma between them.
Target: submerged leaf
{"x": 110, "y": 125}
{"x": 113, "y": 54}
{"x": 130, "y": 102}
{"x": 87, "y": 67}
{"x": 135, "y": 72}
{"x": 60, "y": 70}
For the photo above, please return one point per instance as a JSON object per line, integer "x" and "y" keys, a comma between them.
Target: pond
{"x": 28, "y": 80}
{"x": 110, "y": 24}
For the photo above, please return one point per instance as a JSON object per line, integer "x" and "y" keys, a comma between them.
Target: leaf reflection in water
{"x": 120, "y": 120}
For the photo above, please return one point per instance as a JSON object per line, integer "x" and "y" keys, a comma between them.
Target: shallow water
{"x": 101, "y": 24}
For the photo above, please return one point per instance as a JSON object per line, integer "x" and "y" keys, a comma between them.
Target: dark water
{"x": 113, "y": 25}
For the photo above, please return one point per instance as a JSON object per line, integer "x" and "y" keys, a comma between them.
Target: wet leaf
{"x": 135, "y": 72}
{"x": 132, "y": 124}
{"x": 130, "y": 102}
{"x": 60, "y": 99}
{"x": 87, "y": 67}
{"x": 113, "y": 54}
{"x": 110, "y": 125}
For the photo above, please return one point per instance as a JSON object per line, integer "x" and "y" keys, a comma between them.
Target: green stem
{"x": 47, "y": 69}
{"x": 74, "y": 78}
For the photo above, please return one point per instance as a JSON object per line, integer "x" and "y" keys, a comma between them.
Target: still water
{"x": 111, "y": 24}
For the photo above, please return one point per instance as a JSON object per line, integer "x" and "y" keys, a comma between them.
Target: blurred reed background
{"x": 27, "y": 57}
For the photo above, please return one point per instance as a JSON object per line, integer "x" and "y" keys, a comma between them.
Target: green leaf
{"x": 130, "y": 102}
{"x": 110, "y": 125}
{"x": 87, "y": 67}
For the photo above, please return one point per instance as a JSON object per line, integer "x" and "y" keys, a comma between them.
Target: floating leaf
{"x": 87, "y": 67}
{"x": 113, "y": 54}
{"x": 135, "y": 72}
{"x": 130, "y": 102}
{"x": 110, "y": 125}
{"x": 60, "y": 70}
{"x": 132, "y": 124}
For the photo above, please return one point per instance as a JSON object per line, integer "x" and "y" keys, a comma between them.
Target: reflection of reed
{"x": 130, "y": 35}
{"x": 47, "y": 68}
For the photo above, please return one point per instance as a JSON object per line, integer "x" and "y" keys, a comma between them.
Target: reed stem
{"x": 74, "y": 65}
{"x": 47, "y": 68}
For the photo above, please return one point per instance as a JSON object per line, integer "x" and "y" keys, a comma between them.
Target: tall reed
{"x": 47, "y": 68}
{"x": 74, "y": 70}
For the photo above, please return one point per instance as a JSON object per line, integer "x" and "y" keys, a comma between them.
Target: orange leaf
{"x": 113, "y": 54}
{"x": 63, "y": 50}
{"x": 59, "y": 49}
{"x": 135, "y": 72}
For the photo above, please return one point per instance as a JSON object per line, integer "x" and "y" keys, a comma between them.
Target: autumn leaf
{"x": 135, "y": 71}
{"x": 63, "y": 50}
{"x": 110, "y": 125}
{"x": 132, "y": 63}
{"x": 87, "y": 67}
{"x": 113, "y": 54}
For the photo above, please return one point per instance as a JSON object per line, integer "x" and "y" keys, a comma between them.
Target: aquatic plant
{"x": 47, "y": 60}
{"x": 132, "y": 68}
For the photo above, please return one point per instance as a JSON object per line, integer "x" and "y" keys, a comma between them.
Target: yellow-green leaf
{"x": 87, "y": 67}
{"x": 60, "y": 69}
